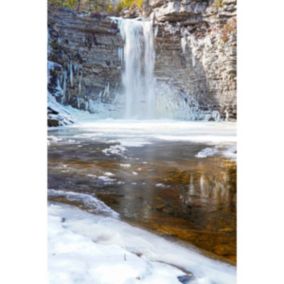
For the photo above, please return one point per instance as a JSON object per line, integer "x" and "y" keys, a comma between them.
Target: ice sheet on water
{"x": 229, "y": 152}
{"x": 115, "y": 150}
{"x": 86, "y": 248}
{"x": 207, "y": 152}
{"x": 125, "y": 165}
{"x": 161, "y": 185}
{"x": 131, "y": 133}
{"x": 109, "y": 174}
{"x": 91, "y": 202}
{"x": 107, "y": 180}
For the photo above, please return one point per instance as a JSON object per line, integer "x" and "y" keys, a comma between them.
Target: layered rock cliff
{"x": 196, "y": 50}
{"x": 84, "y": 62}
{"x": 195, "y": 47}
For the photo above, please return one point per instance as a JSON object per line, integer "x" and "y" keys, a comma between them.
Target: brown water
{"x": 162, "y": 187}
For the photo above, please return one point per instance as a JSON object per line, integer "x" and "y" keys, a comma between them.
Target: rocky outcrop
{"x": 196, "y": 50}
{"x": 57, "y": 115}
{"x": 83, "y": 54}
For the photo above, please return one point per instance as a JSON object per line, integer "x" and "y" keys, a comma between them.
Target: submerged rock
{"x": 53, "y": 123}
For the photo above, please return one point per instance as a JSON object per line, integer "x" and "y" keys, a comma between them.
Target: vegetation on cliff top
{"x": 98, "y": 5}
{"x": 129, "y": 4}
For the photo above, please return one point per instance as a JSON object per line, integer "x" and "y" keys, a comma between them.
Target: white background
{"x": 23, "y": 157}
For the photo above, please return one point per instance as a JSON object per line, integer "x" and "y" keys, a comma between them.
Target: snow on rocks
{"x": 57, "y": 114}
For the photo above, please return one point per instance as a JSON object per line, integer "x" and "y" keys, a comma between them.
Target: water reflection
{"x": 210, "y": 189}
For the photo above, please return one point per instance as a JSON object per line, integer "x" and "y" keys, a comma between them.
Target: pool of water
{"x": 175, "y": 179}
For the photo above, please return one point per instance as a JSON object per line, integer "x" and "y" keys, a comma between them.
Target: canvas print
{"x": 142, "y": 151}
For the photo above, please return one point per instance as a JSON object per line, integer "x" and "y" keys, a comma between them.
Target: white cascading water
{"x": 143, "y": 97}
{"x": 139, "y": 63}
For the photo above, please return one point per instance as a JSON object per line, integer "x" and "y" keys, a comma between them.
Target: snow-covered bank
{"x": 86, "y": 248}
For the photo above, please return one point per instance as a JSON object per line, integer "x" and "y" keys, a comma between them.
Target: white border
{"x": 23, "y": 142}
{"x": 23, "y": 216}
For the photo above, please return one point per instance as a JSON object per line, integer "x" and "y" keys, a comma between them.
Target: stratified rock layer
{"x": 84, "y": 57}
{"x": 196, "y": 50}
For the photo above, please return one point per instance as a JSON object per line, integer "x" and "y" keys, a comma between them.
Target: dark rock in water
{"x": 52, "y": 123}
{"x": 184, "y": 279}
{"x": 51, "y": 111}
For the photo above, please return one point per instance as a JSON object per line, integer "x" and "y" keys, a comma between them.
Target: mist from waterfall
{"x": 139, "y": 62}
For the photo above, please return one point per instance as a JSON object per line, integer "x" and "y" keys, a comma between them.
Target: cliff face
{"x": 196, "y": 50}
{"x": 195, "y": 47}
{"x": 84, "y": 62}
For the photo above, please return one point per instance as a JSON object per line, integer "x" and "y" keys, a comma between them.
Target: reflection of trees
{"x": 217, "y": 188}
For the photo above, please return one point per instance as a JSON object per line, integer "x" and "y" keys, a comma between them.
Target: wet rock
{"x": 53, "y": 123}
{"x": 184, "y": 279}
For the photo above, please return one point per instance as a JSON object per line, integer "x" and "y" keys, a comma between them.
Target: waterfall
{"x": 143, "y": 96}
{"x": 139, "y": 62}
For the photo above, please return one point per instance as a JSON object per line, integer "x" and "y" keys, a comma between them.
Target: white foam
{"x": 86, "y": 248}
